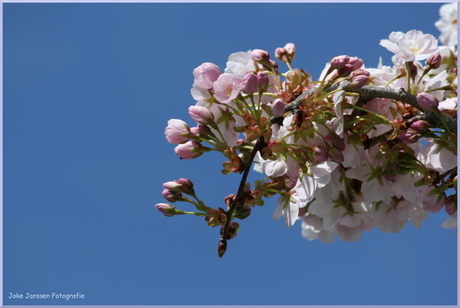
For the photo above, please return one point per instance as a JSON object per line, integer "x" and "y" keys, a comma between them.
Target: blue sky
{"x": 88, "y": 90}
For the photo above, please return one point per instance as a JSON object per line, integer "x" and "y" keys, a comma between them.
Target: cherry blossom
{"x": 227, "y": 87}
{"x": 410, "y": 46}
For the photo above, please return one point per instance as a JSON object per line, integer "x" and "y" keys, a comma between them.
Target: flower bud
{"x": 345, "y": 71}
{"x": 319, "y": 154}
{"x": 250, "y": 83}
{"x": 409, "y": 136}
{"x": 339, "y": 61}
{"x": 262, "y": 79}
{"x": 260, "y": 56}
{"x": 205, "y": 75}
{"x": 177, "y": 131}
{"x": 420, "y": 126}
{"x": 200, "y": 114}
{"x": 281, "y": 53}
{"x": 187, "y": 186}
{"x": 167, "y": 209}
{"x": 171, "y": 196}
{"x": 173, "y": 186}
{"x": 356, "y": 62}
{"x": 189, "y": 150}
{"x": 291, "y": 50}
{"x": 427, "y": 101}
{"x": 221, "y": 248}
{"x": 359, "y": 78}
{"x": 434, "y": 61}
{"x": 278, "y": 107}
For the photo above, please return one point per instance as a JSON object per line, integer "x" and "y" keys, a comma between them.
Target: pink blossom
{"x": 177, "y": 131}
{"x": 189, "y": 150}
{"x": 278, "y": 107}
{"x": 200, "y": 114}
{"x": 167, "y": 209}
{"x": 339, "y": 61}
{"x": 427, "y": 101}
{"x": 260, "y": 55}
{"x": 263, "y": 81}
{"x": 227, "y": 87}
{"x": 438, "y": 158}
{"x": 250, "y": 83}
{"x": 411, "y": 46}
{"x": 356, "y": 62}
{"x": 239, "y": 64}
{"x": 206, "y": 74}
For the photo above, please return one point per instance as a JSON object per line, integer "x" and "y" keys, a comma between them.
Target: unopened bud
{"x": 319, "y": 154}
{"x": 260, "y": 56}
{"x": 291, "y": 50}
{"x": 356, "y": 62}
{"x": 420, "y": 126}
{"x": 427, "y": 101}
{"x": 434, "y": 61}
{"x": 167, "y": 209}
{"x": 200, "y": 114}
{"x": 409, "y": 136}
{"x": 281, "y": 53}
{"x": 250, "y": 83}
{"x": 187, "y": 186}
{"x": 221, "y": 248}
{"x": 263, "y": 81}
{"x": 173, "y": 186}
{"x": 339, "y": 61}
{"x": 278, "y": 107}
{"x": 345, "y": 71}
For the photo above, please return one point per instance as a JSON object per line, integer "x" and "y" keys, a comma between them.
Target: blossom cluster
{"x": 341, "y": 160}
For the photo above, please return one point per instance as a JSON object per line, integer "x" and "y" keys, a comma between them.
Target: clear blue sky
{"x": 88, "y": 90}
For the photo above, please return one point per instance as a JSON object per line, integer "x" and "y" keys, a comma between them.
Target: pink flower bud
{"x": 263, "y": 81}
{"x": 409, "y": 136}
{"x": 359, "y": 78}
{"x": 206, "y": 74}
{"x": 356, "y": 62}
{"x": 177, "y": 131}
{"x": 189, "y": 150}
{"x": 434, "y": 61}
{"x": 200, "y": 114}
{"x": 278, "y": 107}
{"x": 167, "y": 209}
{"x": 420, "y": 126}
{"x": 250, "y": 83}
{"x": 339, "y": 61}
{"x": 319, "y": 154}
{"x": 260, "y": 56}
{"x": 281, "y": 53}
{"x": 171, "y": 196}
{"x": 173, "y": 186}
{"x": 345, "y": 71}
{"x": 427, "y": 101}
{"x": 187, "y": 186}
{"x": 290, "y": 48}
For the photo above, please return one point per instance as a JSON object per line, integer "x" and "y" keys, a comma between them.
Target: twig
{"x": 239, "y": 195}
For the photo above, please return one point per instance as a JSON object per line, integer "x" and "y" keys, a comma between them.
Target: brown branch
{"x": 367, "y": 93}
{"x": 239, "y": 195}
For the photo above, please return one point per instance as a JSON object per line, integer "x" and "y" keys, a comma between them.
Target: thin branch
{"x": 239, "y": 195}
{"x": 368, "y": 93}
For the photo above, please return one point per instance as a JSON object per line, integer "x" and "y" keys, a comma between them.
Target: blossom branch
{"x": 239, "y": 196}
